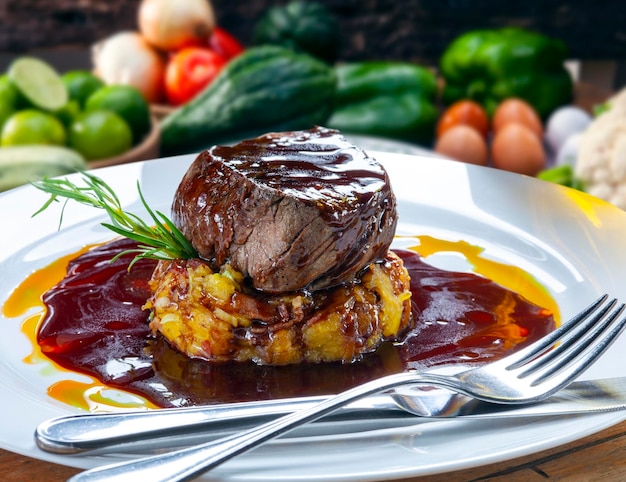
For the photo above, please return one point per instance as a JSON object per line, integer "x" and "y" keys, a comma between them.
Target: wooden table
{"x": 598, "y": 457}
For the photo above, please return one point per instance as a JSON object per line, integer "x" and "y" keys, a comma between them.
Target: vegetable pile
{"x": 512, "y": 139}
{"x": 290, "y": 79}
{"x": 501, "y": 98}
{"x": 176, "y": 52}
{"x": 490, "y": 66}
{"x": 267, "y": 88}
{"x": 516, "y": 74}
{"x": 52, "y": 124}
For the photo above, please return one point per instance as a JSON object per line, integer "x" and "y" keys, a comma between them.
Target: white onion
{"x": 563, "y": 123}
{"x": 174, "y": 24}
{"x": 568, "y": 151}
{"x": 125, "y": 58}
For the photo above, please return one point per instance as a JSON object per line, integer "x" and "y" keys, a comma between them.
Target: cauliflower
{"x": 601, "y": 163}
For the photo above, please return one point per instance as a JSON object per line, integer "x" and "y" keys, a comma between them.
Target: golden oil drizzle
{"x": 506, "y": 275}
{"x": 28, "y": 294}
{"x": 95, "y": 397}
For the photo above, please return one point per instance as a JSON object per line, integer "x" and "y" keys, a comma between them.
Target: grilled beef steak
{"x": 298, "y": 210}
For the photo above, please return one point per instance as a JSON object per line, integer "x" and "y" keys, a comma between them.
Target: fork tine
{"x": 579, "y": 337}
{"x": 571, "y": 364}
{"x": 530, "y": 352}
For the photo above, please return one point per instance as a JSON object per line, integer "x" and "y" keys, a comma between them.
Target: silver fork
{"x": 528, "y": 375}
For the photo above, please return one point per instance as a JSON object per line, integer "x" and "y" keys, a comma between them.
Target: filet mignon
{"x": 298, "y": 210}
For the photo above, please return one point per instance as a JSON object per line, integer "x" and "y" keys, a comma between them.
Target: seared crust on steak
{"x": 291, "y": 211}
{"x": 214, "y": 316}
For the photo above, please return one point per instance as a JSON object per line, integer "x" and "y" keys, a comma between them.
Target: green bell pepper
{"x": 386, "y": 99}
{"x": 301, "y": 26}
{"x": 491, "y": 65}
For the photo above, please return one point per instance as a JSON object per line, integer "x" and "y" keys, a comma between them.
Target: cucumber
{"x": 22, "y": 164}
{"x": 267, "y": 88}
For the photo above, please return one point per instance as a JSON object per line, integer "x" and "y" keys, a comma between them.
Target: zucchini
{"x": 22, "y": 164}
{"x": 267, "y": 88}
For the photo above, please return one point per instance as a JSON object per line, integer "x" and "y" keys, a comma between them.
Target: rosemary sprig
{"x": 161, "y": 241}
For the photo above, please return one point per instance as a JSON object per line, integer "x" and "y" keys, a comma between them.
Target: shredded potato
{"x": 215, "y": 317}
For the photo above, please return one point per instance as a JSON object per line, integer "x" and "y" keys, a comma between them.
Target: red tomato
{"x": 225, "y": 44}
{"x": 189, "y": 71}
{"x": 465, "y": 112}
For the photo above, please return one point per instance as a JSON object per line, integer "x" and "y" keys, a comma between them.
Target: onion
{"x": 126, "y": 58}
{"x": 174, "y": 24}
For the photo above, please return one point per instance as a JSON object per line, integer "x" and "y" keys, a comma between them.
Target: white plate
{"x": 570, "y": 242}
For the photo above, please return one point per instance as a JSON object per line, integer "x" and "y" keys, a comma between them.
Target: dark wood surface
{"x": 62, "y": 31}
{"x": 419, "y": 30}
{"x": 599, "y": 457}
{"x": 407, "y": 29}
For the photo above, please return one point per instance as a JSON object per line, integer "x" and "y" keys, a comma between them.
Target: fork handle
{"x": 188, "y": 463}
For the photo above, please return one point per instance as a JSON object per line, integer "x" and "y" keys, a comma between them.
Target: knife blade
{"x": 147, "y": 431}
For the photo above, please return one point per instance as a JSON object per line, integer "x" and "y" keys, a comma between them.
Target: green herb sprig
{"x": 161, "y": 241}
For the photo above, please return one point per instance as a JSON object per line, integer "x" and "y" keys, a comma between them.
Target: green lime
{"x": 32, "y": 126}
{"x": 100, "y": 134}
{"x": 81, "y": 84}
{"x": 68, "y": 113}
{"x": 39, "y": 83}
{"x": 8, "y": 92}
{"x": 127, "y": 102}
{"x": 6, "y": 111}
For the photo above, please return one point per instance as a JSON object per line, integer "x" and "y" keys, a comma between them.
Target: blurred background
{"x": 400, "y": 69}
{"x": 415, "y": 30}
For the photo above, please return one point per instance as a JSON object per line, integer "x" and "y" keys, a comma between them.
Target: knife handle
{"x": 147, "y": 430}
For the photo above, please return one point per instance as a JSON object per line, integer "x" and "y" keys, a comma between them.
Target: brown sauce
{"x": 312, "y": 165}
{"x": 94, "y": 324}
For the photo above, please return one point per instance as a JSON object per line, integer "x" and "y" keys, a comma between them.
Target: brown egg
{"x": 516, "y": 148}
{"x": 517, "y": 111}
{"x": 463, "y": 143}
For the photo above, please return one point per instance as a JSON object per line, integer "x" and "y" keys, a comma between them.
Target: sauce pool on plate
{"x": 93, "y": 323}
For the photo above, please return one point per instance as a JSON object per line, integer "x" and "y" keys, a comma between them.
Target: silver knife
{"x": 146, "y": 431}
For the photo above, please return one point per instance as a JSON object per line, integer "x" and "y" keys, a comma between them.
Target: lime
{"x": 100, "y": 134}
{"x": 127, "y": 102}
{"x": 8, "y": 92}
{"x": 6, "y": 111}
{"x": 68, "y": 113}
{"x": 39, "y": 83}
{"x": 81, "y": 84}
{"x": 32, "y": 126}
